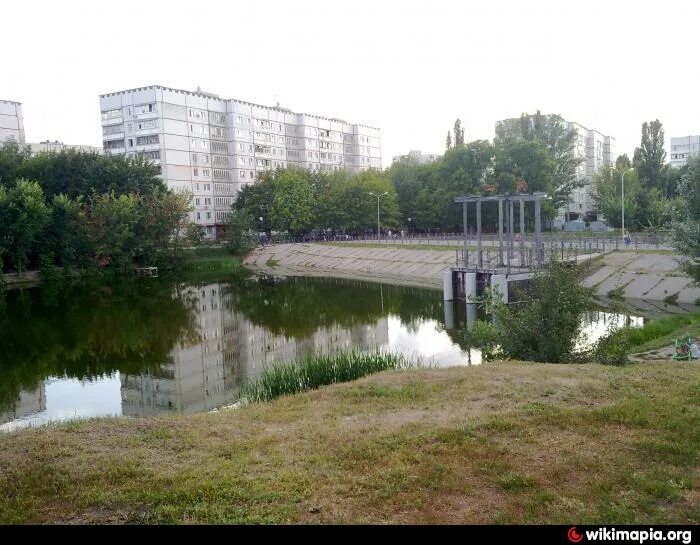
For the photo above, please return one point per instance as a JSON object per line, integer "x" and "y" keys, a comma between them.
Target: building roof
{"x": 211, "y": 96}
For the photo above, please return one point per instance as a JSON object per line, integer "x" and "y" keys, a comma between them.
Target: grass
{"x": 617, "y": 293}
{"x": 272, "y": 263}
{"x": 208, "y": 260}
{"x": 319, "y": 370}
{"x": 662, "y": 332}
{"x": 499, "y": 443}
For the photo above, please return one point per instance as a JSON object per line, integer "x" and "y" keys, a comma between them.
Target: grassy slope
{"x": 663, "y": 332}
{"x": 499, "y": 443}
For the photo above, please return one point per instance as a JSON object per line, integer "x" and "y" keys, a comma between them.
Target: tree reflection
{"x": 81, "y": 332}
{"x": 297, "y": 307}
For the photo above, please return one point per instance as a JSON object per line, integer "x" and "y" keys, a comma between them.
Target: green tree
{"x": 165, "y": 220}
{"x": 111, "y": 224}
{"x": 63, "y": 239}
{"x": 12, "y": 157}
{"x": 650, "y": 157}
{"x": 546, "y": 324}
{"x": 560, "y": 141}
{"x": 242, "y": 235}
{"x": 608, "y": 198}
{"x": 23, "y": 214}
{"x": 293, "y": 202}
{"x": 459, "y": 133}
{"x": 448, "y": 141}
{"x": 686, "y": 227}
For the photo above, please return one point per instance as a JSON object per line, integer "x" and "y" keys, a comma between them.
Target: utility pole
{"x": 378, "y": 197}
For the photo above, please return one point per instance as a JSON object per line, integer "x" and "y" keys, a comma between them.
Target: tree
{"x": 293, "y": 202}
{"x": 165, "y": 222}
{"x": 608, "y": 197}
{"x": 111, "y": 224}
{"x": 686, "y": 227}
{"x": 448, "y": 141}
{"x": 459, "y": 133}
{"x": 650, "y": 157}
{"x": 241, "y": 232}
{"x": 74, "y": 173}
{"x": 12, "y": 157}
{"x": 63, "y": 239}
{"x": 558, "y": 138}
{"x": 23, "y": 214}
{"x": 545, "y": 325}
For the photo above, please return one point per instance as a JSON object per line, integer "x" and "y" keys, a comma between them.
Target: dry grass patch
{"x": 505, "y": 442}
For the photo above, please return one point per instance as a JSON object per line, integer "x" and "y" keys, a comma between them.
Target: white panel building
{"x": 214, "y": 147}
{"x": 417, "y": 156}
{"x": 11, "y": 121}
{"x": 683, "y": 148}
{"x": 48, "y": 146}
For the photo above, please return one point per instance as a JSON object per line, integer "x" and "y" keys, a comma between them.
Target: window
{"x": 207, "y": 201}
{"x": 153, "y": 155}
{"x": 113, "y": 144}
{"x": 113, "y": 129}
{"x": 208, "y": 215}
{"x": 195, "y": 172}
{"x": 148, "y": 124}
{"x": 251, "y": 175}
{"x": 199, "y": 216}
{"x": 207, "y": 187}
{"x": 147, "y": 140}
{"x": 111, "y": 114}
{"x": 196, "y": 201}
{"x": 241, "y": 173}
{"x": 196, "y": 187}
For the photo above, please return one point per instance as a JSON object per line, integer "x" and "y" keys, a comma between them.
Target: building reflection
{"x": 29, "y": 403}
{"x": 200, "y": 376}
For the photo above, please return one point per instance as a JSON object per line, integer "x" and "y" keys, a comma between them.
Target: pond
{"x": 151, "y": 347}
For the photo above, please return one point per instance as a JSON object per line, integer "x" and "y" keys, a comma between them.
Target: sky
{"x": 410, "y": 67}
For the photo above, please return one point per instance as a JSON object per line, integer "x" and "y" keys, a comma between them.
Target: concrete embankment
{"x": 421, "y": 268}
{"x": 650, "y": 276}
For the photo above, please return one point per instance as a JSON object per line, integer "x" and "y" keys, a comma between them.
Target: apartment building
{"x": 594, "y": 149}
{"x": 11, "y": 121}
{"x": 683, "y": 148}
{"x": 48, "y": 146}
{"x": 417, "y": 156}
{"x": 214, "y": 147}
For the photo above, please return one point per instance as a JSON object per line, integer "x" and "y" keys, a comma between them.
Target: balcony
{"x": 112, "y": 121}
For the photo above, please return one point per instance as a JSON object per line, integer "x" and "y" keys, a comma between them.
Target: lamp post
{"x": 622, "y": 180}
{"x": 378, "y": 197}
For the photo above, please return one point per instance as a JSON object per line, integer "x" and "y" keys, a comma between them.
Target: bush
{"x": 545, "y": 325}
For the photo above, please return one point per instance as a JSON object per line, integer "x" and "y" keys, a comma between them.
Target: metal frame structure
{"x": 509, "y": 199}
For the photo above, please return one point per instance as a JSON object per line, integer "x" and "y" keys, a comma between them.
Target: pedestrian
{"x": 627, "y": 238}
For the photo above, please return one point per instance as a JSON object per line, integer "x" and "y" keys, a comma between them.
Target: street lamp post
{"x": 622, "y": 180}
{"x": 378, "y": 197}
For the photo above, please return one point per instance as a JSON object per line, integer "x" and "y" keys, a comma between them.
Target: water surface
{"x": 152, "y": 347}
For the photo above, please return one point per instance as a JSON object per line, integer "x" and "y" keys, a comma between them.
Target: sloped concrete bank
{"x": 648, "y": 276}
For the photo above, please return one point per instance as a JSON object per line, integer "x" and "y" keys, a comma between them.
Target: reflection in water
{"x": 208, "y": 374}
{"x": 148, "y": 348}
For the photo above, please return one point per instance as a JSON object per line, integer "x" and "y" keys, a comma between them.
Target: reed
{"x": 318, "y": 370}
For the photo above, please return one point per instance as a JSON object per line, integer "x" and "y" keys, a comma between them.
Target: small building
{"x": 55, "y": 147}
{"x": 599, "y": 226}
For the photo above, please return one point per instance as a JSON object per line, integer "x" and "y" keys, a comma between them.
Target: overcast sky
{"x": 408, "y": 67}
